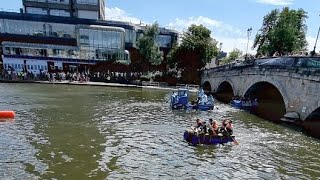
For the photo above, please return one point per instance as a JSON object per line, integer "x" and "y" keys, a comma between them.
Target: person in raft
{"x": 215, "y": 128}
{"x": 226, "y": 128}
{"x": 229, "y": 127}
{"x": 198, "y": 126}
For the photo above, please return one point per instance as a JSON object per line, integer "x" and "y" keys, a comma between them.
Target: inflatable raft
{"x": 195, "y": 139}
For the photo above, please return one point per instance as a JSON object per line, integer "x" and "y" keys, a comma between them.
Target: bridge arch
{"x": 207, "y": 86}
{"x": 312, "y": 123}
{"x": 271, "y": 97}
{"x": 225, "y": 91}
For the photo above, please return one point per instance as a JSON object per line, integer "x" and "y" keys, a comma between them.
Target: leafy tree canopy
{"x": 282, "y": 32}
{"x": 147, "y": 46}
{"x": 196, "y": 40}
{"x": 233, "y": 55}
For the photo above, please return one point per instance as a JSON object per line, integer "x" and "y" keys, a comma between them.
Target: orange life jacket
{"x": 215, "y": 127}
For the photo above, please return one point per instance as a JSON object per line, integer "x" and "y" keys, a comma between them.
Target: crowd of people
{"x": 246, "y": 101}
{"x": 9, "y": 74}
{"x": 44, "y": 76}
{"x": 212, "y": 128}
{"x": 115, "y": 76}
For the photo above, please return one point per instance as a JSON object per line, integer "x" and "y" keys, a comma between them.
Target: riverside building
{"x": 60, "y": 35}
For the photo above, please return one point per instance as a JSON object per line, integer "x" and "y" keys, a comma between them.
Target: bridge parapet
{"x": 311, "y": 74}
{"x": 299, "y": 86}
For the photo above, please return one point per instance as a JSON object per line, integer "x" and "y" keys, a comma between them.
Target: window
{"x": 45, "y": 68}
{"x": 89, "y": 2}
{"x": 38, "y": 28}
{"x": 58, "y": 12}
{"x": 31, "y": 67}
{"x": 59, "y": 1}
{"x": 88, "y": 14}
{"x": 164, "y": 40}
{"x": 28, "y": 66}
{"x": 19, "y": 66}
{"x": 33, "y": 10}
{"x": 37, "y": 0}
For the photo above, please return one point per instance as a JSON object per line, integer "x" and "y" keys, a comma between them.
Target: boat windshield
{"x": 182, "y": 92}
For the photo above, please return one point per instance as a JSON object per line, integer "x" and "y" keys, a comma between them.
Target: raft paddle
{"x": 234, "y": 140}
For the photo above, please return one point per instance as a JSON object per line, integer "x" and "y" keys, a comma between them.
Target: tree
{"x": 198, "y": 39}
{"x": 283, "y": 32}
{"x": 148, "y": 48}
{"x": 233, "y": 55}
{"x": 197, "y": 48}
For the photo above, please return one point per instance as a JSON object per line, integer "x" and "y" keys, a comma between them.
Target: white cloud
{"x": 182, "y": 24}
{"x": 276, "y": 2}
{"x": 230, "y": 36}
{"x": 118, "y": 14}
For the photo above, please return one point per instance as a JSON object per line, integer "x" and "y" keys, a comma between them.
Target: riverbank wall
{"x": 103, "y": 84}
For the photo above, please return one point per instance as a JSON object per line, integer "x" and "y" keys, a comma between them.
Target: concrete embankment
{"x": 102, "y": 84}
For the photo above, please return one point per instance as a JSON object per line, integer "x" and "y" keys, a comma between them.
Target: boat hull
{"x": 240, "y": 105}
{"x": 194, "y": 139}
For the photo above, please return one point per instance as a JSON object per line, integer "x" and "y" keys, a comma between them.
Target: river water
{"x": 77, "y": 132}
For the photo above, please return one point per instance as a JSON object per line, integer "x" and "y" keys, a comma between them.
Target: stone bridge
{"x": 280, "y": 89}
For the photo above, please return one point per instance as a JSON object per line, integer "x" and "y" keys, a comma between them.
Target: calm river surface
{"x": 75, "y": 132}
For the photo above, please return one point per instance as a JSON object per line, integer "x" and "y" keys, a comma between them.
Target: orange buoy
{"x": 7, "y": 114}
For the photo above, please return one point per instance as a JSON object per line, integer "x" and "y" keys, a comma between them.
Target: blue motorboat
{"x": 195, "y": 139}
{"x": 204, "y": 102}
{"x": 180, "y": 100}
{"x": 248, "y": 105}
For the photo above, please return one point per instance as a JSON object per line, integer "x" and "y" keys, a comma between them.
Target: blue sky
{"x": 228, "y": 19}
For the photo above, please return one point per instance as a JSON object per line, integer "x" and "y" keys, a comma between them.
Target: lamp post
{"x": 249, "y": 34}
{"x": 315, "y": 44}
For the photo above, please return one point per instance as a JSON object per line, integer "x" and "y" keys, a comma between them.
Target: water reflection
{"x": 71, "y": 132}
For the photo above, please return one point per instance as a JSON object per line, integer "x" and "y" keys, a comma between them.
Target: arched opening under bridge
{"x": 312, "y": 123}
{"x": 224, "y": 92}
{"x": 207, "y": 87}
{"x": 271, "y": 104}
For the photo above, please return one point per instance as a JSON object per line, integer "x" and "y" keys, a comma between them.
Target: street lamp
{"x": 249, "y": 34}
{"x": 315, "y": 44}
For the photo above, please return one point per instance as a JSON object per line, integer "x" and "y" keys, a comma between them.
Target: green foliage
{"x": 148, "y": 47}
{"x": 283, "y": 32}
{"x": 197, "y": 40}
{"x": 233, "y": 55}
{"x": 173, "y": 55}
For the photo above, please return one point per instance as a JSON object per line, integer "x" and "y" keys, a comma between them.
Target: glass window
{"x": 90, "y": 2}
{"x": 59, "y": 1}
{"x": 164, "y": 40}
{"x": 58, "y": 12}
{"x": 31, "y": 67}
{"x": 37, "y": 0}
{"x": 39, "y": 28}
{"x": 28, "y": 66}
{"x": 33, "y": 10}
